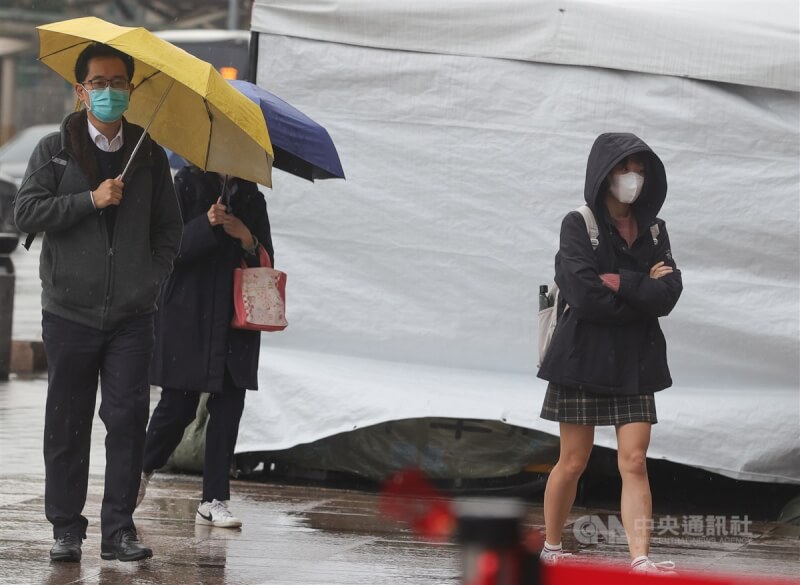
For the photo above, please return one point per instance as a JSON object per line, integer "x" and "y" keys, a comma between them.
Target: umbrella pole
{"x": 141, "y": 138}
{"x": 225, "y": 193}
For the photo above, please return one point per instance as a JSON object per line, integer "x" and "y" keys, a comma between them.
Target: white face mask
{"x": 626, "y": 188}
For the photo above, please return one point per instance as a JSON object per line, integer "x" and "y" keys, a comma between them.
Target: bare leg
{"x": 636, "y": 505}
{"x": 559, "y": 495}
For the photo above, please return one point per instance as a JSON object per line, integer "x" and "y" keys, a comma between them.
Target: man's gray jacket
{"x": 85, "y": 277}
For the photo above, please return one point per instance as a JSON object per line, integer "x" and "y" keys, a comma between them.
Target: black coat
{"x": 606, "y": 342}
{"x": 194, "y": 340}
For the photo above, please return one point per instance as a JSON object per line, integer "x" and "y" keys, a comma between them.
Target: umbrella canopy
{"x": 302, "y": 147}
{"x": 202, "y": 118}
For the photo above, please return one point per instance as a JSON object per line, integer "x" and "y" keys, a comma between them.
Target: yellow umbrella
{"x": 191, "y": 109}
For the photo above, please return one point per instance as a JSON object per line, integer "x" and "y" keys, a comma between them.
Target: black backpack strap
{"x": 29, "y": 241}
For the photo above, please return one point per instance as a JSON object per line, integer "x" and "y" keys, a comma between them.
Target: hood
{"x": 607, "y": 151}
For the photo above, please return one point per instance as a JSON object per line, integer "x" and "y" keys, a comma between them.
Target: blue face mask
{"x": 108, "y": 104}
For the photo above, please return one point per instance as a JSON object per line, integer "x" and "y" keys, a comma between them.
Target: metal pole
{"x": 233, "y": 14}
{"x": 252, "y": 60}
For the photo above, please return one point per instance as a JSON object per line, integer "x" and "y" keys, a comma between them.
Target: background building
{"x": 33, "y": 94}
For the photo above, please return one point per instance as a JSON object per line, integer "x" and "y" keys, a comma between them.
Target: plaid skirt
{"x": 570, "y": 405}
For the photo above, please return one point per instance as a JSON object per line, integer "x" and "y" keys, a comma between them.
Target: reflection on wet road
{"x": 291, "y": 535}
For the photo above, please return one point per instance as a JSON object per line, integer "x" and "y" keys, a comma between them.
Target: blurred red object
{"x": 409, "y": 496}
{"x": 599, "y": 574}
{"x": 488, "y": 569}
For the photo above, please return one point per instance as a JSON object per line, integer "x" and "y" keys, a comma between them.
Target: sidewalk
{"x": 291, "y": 535}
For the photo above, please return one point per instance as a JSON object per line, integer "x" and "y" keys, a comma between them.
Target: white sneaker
{"x": 647, "y": 566}
{"x": 216, "y": 513}
{"x": 553, "y": 557}
{"x": 143, "y": 487}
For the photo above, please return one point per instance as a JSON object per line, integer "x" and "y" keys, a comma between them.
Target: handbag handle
{"x": 263, "y": 258}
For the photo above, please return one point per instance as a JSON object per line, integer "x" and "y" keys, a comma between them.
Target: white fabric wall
{"x": 746, "y": 42}
{"x": 412, "y": 285}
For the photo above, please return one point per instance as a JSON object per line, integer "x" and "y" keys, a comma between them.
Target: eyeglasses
{"x": 103, "y": 83}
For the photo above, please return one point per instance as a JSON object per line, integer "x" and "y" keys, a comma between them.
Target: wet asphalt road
{"x": 291, "y": 534}
{"x": 309, "y": 536}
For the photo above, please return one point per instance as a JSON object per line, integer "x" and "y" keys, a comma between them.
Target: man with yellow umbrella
{"x": 101, "y": 192}
{"x": 108, "y": 245}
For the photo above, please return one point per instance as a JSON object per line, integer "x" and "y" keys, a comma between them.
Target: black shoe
{"x": 66, "y": 549}
{"x": 125, "y": 547}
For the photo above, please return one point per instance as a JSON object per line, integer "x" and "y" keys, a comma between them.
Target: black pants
{"x": 76, "y": 355}
{"x": 175, "y": 410}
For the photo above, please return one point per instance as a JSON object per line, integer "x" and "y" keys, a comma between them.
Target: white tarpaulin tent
{"x": 464, "y": 128}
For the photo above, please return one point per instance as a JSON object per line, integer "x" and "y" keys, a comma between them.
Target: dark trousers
{"x": 76, "y": 355}
{"x": 175, "y": 410}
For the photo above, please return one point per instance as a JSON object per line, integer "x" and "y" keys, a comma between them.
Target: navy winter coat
{"x": 606, "y": 342}
{"x": 194, "y": 340}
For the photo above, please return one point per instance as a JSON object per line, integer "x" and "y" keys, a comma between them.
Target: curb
{"x": 27, "y": 357}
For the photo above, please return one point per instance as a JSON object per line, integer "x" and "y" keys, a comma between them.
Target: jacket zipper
{"x": 109, "y": 258}
{"x": 111, "y": 246}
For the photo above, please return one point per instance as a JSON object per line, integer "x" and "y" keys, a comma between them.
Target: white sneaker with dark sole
{"x": 553, "y": 557}
{"x": 645, "y": 565}
{"x": 216, "y": 513}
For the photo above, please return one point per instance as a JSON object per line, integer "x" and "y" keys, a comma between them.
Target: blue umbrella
{"x": 302, "y": 147}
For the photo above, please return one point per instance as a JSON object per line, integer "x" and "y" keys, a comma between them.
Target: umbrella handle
{"x": 141, "y": 138}
{"x": 226, "y": 194}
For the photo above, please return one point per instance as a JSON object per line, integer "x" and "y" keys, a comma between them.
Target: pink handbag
{"x": 259, "y": 296}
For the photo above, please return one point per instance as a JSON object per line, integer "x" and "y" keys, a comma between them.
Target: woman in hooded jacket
{"x": 608, "y": 356}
